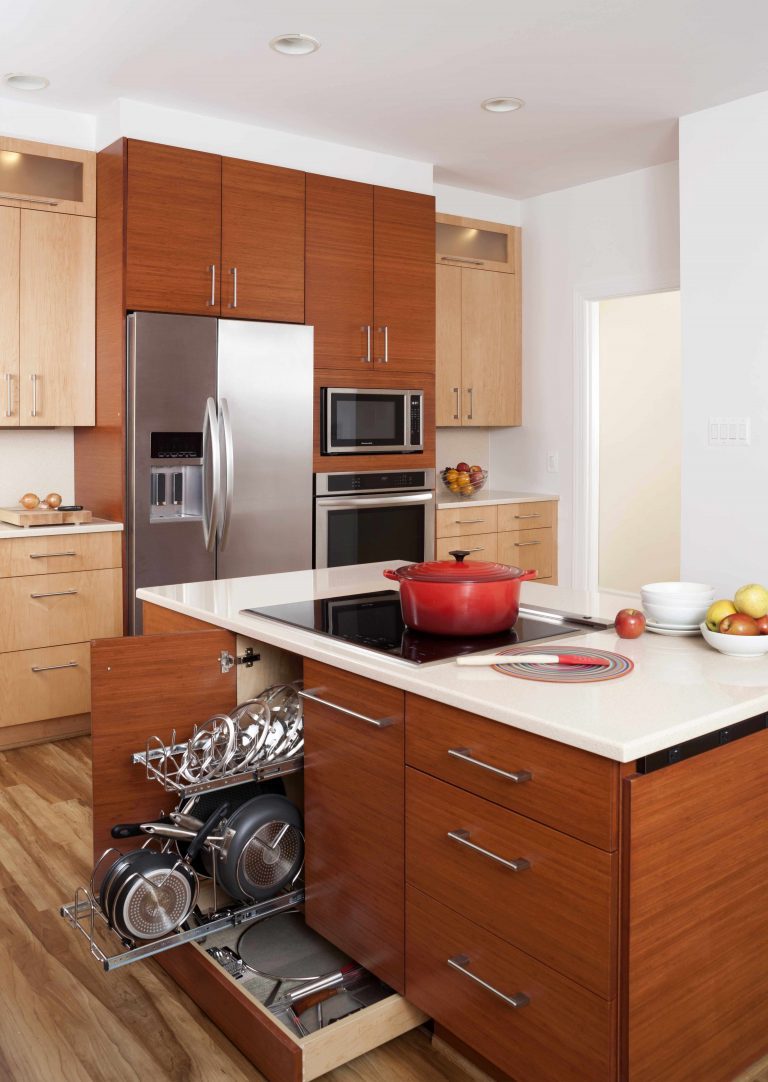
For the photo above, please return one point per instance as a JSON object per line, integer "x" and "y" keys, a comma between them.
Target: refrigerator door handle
{"x": 211, "y": 438}
{"x": 229, "y": 473}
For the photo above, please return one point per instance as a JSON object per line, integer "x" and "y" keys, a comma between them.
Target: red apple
{"x": 762, "y": 625}
{"x": 630, "y": 623}
{"x": 463, "y": 467}
{"x": 738, "y": 623}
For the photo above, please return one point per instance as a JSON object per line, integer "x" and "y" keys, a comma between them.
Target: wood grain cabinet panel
{"x": 560, "y": 903}
{"x": 57, "y": 331}
{"x": 481, "y": 546}
{"x": 173, "y": 230}
{"x": 403, "y": 280}
{"x": 59, "y": 552}
{"x": 449, "y": 388}
{"x": 354, "y": 795}
{"x": 262, "y": 242}
{"x": 534, "y": 549}
{"x": 51, "y": 610}
{"x": 10, "y": 234}
{"x": 339, "y": 273}
{"x": 560, "y": 1031}
{"x": 40, "y": 684}
{"x": 561, "y": 786}
{"x": 527, "y": 516}
{"x": 490, "y": 348}
{"x": 465, "y": 521}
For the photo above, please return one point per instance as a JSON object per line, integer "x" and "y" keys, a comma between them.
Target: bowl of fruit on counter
{"x": 464, "y": 480}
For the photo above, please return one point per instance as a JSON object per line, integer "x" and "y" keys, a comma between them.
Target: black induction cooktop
{"x": 374, "y": 621}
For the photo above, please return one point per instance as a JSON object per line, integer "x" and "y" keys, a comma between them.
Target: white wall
{"x": 608, "y": 238}
{"x": 724, "y": 279}
{"x": 31, "y": 120}
{"x": 469, "y": 204}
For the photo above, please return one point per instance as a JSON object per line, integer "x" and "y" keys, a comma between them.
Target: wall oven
{"x": 372, "y": 421}
{"x": 365, "y": 517}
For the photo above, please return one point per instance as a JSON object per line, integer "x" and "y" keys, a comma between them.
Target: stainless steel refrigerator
{"x": 219, "y": 455}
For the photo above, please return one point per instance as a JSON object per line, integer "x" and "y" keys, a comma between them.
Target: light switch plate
{"x": 728, "y": 431}
{"x": 553, "y": 462}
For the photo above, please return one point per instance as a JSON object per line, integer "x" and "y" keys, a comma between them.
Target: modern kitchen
{"x": 384, "y": 662}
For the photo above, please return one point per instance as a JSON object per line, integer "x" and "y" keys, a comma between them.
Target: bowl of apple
{"x": 463, "y": 479}
{"x": 739, "y": 628}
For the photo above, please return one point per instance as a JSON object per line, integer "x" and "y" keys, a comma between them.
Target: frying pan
{"x": 146, "y": 894}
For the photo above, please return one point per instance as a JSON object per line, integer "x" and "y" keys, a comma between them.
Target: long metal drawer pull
{"x": 535, "y": 515}
{"x": 50, "y": 668}
{"x": 467, "y": 521}
{"x": 50, "y": 555}
{"x": 456, "y": 414}
{"x": 380, "y": 723}
{"x": 212, "y": 302}
{"x": 517, "y": 776}
{"x": 385, "y": 331}
{"x": 55, "y": 593}
{"x": 460, "y": 259}
{"x": 33, "y": 378}
{"x": 367, "y": 332}
{"x": 471, "y": 414}
{"x": 460, "y": 963}
{"x": 477, "y": 548}
{"x": 525, "y": 544}
{"x": 29, "y": 199}
{"x": 8, "y": 394}
{"x": 233, "y": 302}
{"x": 463, "y": 838}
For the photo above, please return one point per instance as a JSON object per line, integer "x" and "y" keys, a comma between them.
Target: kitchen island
{"x": 568, "y": 880}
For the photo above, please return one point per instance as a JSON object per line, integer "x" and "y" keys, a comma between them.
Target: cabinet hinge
{"x": 227, "y": 661}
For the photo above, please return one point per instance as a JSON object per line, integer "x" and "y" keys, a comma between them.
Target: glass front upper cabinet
{"x": 44, "y": 177}
{"x": 466, "y": 242}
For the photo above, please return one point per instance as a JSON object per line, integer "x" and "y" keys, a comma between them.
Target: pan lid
{"x": 456, "y": 570}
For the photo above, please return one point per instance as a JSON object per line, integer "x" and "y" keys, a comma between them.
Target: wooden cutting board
{"x": 19, "y": 516}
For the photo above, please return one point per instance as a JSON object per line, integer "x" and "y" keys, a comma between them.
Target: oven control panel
{"x": 338, "y": 484}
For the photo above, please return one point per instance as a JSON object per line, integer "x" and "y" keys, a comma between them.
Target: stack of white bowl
{"x": 676, "y": 608}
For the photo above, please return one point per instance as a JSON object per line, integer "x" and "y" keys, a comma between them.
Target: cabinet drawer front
{"x": 522, "y": 516}
{"x": 529, "y": 548}
{"x": 354, "y": 804}
{"x": 562, "y": 1034}
{"x": 68, "y": 552}
{"x": 482, "y": 546}
{"x": 69, "y": 608}
{"x": 464, "y": 521}
{"x": 568, "y": 789}
{"x": 556, "y": 901}
{"x": 40, "y": 684}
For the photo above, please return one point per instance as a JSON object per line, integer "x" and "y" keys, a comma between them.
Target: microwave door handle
{"x": 211, "y": 439}
{"x": 228, "y": 473}
{"x": 341, "y": 502}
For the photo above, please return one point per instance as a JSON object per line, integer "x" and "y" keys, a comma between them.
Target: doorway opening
{"x": 635, "y": 433}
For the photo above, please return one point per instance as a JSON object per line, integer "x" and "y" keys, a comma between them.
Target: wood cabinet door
{"x": 57, "y": 325}
{"x": 339, "y": 285}
{"x": 173, "y": 230}
{"x": 262, "y": 242}
{"x": 404, "y": 281}
{"x": 448, "y": 389}
{"x": 10, "y": 229}
{"x": 354, "y": 800}
{"x": 490, "y": 348}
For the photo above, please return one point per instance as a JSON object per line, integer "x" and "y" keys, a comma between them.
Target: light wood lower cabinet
{"x": 521, "y": 534}
{"x": 39, "y": 684}
{"x": 47, "y": 610}
{"x": 481, "y": 546}
{"x": 59, "y": 552}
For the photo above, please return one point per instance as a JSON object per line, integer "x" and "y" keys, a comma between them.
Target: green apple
{"x": 752, "y": 599}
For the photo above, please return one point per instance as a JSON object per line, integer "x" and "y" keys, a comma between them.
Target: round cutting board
{"x": 617, "y": 666}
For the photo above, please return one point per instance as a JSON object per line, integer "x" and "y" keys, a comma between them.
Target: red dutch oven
{"x": 449, "y": 597}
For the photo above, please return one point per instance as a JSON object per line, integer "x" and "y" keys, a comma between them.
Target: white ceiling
{"x": 604, "y": 80}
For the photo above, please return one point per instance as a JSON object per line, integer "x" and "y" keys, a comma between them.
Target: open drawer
{"x": 279, "y": 1054}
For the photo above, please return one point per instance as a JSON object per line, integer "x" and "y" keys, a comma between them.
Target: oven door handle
{"x": 334, "y": 503}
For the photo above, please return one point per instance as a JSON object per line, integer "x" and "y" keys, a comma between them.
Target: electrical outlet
{"x": 728, "y": 431}
{"x": 553, "y": 462}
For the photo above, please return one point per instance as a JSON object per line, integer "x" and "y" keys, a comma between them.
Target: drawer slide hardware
{"x": 379, "y": 723}
{"x": 460, "y": 963}
{"x": 463, "y": 838}
{"x": 516, "y": 776}
{"x": 228, "y": 661}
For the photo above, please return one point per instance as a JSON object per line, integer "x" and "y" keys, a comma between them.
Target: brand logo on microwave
{"x": 366, "y": 443}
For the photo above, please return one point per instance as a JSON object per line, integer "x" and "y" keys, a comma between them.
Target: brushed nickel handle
{"x": 470, "y": 415}
{"x": 9, "y": 394}
{"x": 50, "y": 555}
{"x": 534, "y": 515}
{"x": 468, "y": 521}
{"x": 212, "y": 302}
{"x": 385, "y": 331}
{"x": 525, "y": 544}
{"x": 50, "y": 668}
{"x": 367, "y": 331}
{"x": 380, "y": 723}
{"x": 478, "y": 548}
{"x": 55, "y": 593}
{"x": 29, "y": 199}
{"x": 33, "y": 377}
{"x": 456, "y": 414}
{"x": 463, "y": 838}
{"x": 460, "y": 963}
{"x": 233, "y": 272}
{"x": 462, "y": 259}
{"x": 517, "y": 776}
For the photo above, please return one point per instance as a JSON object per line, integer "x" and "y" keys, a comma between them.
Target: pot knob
{"x": 459, "y": 554}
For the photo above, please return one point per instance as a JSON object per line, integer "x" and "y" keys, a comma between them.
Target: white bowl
{"x": 745, "y": 646}
{"x": 675, "y": 589}
{"x": 689, "y": 613}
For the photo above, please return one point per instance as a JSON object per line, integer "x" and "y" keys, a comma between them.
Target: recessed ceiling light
{"x": 294, "y": 44}
{"x": 502, "y": 105}
{"x": 26, "y": 82}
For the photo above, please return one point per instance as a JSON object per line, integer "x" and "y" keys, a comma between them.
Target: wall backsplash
{"x": 36, "y": 460}
{"x": 472, "y": 445}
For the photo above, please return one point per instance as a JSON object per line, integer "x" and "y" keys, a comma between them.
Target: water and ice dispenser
{"x": 176, "y": 476}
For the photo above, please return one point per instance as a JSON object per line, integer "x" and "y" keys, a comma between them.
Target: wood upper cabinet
{"x": 173, "y": 239}
{"x": 339, "y": 285}
{"x": 10, "y": 231}
{"x": 262, "y": 242}
{"x": 449, "y": 386}
{"x": 57, "y": 319}
{"x": 403, "y": 281}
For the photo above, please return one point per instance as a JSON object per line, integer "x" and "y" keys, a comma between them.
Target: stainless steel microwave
{"x": 371, "y": 421}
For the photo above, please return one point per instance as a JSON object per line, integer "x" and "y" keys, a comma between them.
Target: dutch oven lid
{"x": 456, "y": 570}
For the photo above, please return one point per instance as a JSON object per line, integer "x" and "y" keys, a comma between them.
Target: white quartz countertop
{"x": 97, "y": 525}
{"x": 680, "y": 688}
{"x": 487, "y": 496}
